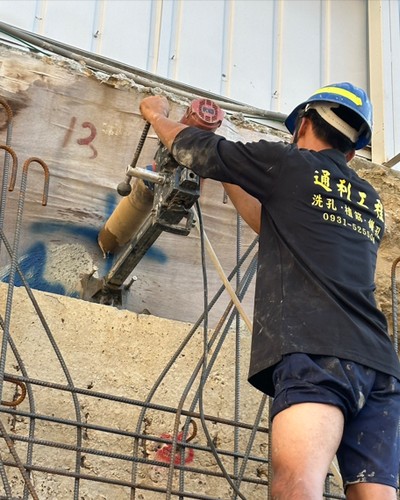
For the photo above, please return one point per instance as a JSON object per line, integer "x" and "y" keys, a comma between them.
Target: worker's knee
{"x": 370, "y": 491}
{"x": 290, "y": 485}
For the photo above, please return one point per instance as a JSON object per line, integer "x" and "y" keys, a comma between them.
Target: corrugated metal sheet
{"x": 269, "y": 54}
{"x": 392, "y": 62}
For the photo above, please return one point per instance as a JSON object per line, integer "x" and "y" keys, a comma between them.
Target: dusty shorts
{"x": 370, "y": 401}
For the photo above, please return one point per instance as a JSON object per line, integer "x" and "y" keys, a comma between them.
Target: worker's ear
{"x": 300, "y": 130}
{"x": 303, "y": 128}
{"x": 350, "y": 155}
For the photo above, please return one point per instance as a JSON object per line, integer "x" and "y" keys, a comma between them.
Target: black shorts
{"x": 370, "y": 401}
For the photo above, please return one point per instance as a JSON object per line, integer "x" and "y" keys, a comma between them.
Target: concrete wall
{"x": 120, "y": 353}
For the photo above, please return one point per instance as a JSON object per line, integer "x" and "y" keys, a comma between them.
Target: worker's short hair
{"x": 325, "y": 132}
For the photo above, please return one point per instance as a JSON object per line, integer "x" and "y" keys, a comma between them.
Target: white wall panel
{"x": 19, "y": 13}
{"x": 298, "y": 52}
{"x": 384, "y": 55}
{"x": 125, "y": 31}
{"x": 249, "y": 59}
{"x": 163, "y": 32}
{"x": 70, "y": 21}
{"x": 197, "y": 43}
{"x": 393, "y": 120}
{"x": 346, "y": 47}
{"x": 268, "y": 53}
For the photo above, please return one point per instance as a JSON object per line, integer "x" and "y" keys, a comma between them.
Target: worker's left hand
{"x": 154, "y": 106}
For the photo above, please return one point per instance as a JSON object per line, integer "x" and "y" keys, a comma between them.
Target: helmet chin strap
{"x": 325, "y": 110}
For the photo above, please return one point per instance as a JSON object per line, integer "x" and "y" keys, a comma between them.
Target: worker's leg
{"x": 305, "y": 438}
{"x": 366, "y": 491}
{"x": 369, "y": 454}
{"x": 307, "y": 424}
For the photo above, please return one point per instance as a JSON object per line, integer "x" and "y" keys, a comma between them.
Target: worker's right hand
{"x": 154, "y": 106}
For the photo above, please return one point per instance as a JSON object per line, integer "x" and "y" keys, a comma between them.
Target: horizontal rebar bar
{"x": 120, "y": 482}
{"x": 119, "y": 432}
{"x": 133, "y": 402}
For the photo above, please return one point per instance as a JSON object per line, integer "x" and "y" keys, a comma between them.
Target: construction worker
{"x": 320, "y": 346}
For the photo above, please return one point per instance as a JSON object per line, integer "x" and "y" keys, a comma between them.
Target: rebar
{"x": 175, "y": 356}
{"x": 395, "y": 305}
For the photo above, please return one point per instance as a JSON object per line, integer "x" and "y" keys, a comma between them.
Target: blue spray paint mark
{"x": 156, "y": 254}
{"x": 111, "y": 203}
{"x": 32, "y": 266}
{"x": 84, "y": 232}
{"x": 33, "y": 263}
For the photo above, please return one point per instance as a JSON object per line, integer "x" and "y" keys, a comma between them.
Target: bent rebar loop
{"x": 3, "y": 194}
{"x": 21, "y": 397}
{"x": 14, "y": 169}
{"x": 10, "y": 117}
{"x": 7, "y": 161}
{"x": 395, "y": 305}
{"x": 21, "y": 202}
{"x": 25, "y": 178}
{"x": 7, "y": 107}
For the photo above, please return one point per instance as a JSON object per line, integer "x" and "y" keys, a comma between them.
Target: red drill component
{"x": 204, "y": 114}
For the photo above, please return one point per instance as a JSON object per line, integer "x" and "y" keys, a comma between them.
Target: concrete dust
{"x": 61, "y": 265}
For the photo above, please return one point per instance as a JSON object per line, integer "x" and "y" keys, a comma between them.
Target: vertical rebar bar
{"x": 395, "y": 305}
{"x": 236, "y": 435}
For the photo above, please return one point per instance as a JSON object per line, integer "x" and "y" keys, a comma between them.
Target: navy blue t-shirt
{"x": 321, "y": 226}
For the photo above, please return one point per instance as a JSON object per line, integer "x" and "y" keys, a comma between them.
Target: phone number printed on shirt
{"x": 344, "y": 214}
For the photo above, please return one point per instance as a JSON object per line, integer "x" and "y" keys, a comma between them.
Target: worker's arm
{"x": 249, "y": 208}
{"x": 155, "y": 110}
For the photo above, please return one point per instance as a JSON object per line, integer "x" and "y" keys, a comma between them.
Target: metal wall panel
{"x": 21, "y": 14}
{"x": 196, "y": 43}
{"x": 127, "y": 33}
{"x": 249, "y": 66}
{"x": 68, "y": 20}
{"x": 267, "y": 53}
{"x": 393, "y": 116}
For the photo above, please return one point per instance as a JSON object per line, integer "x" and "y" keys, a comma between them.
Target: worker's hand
{"x": 154, "y": 106}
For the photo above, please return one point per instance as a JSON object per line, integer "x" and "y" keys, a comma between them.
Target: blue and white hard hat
{"x": 327, "y": 98}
